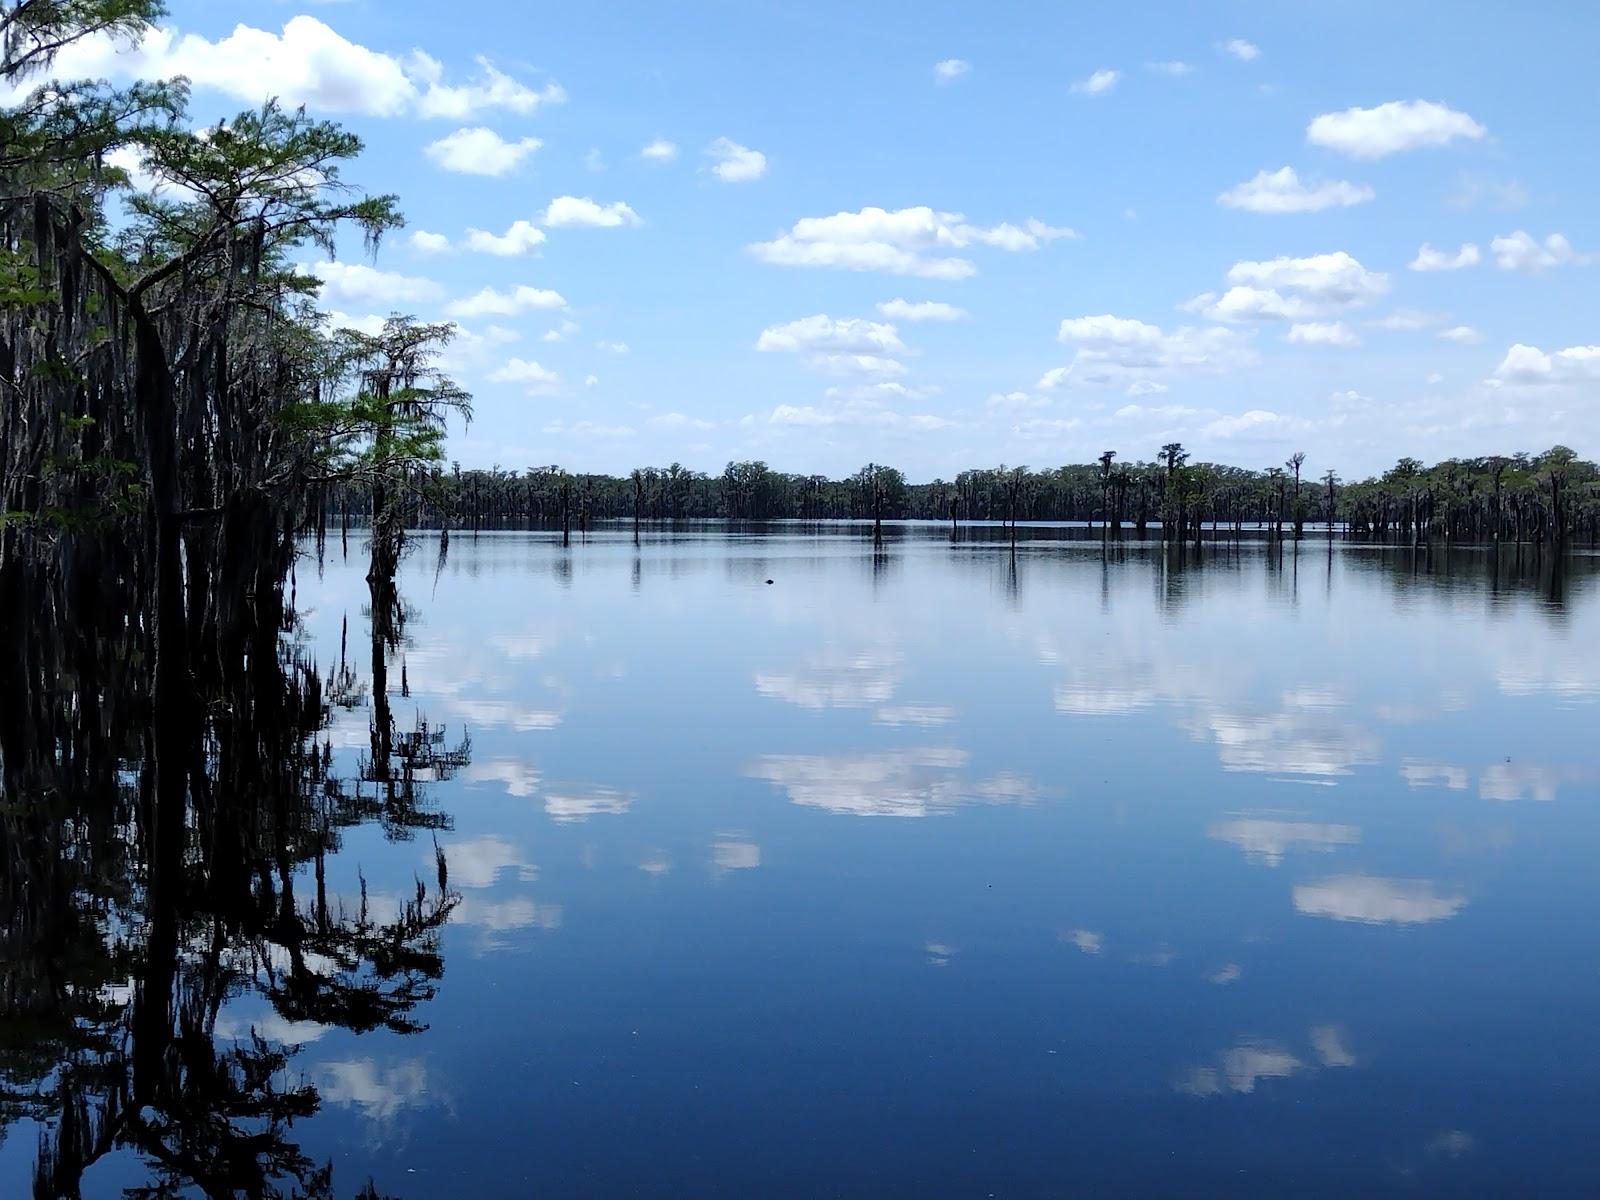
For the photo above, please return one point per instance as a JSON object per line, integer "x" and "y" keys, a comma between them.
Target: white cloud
{"x": 491, "y": 302}
{"x": 1377, "y": 901}
{"x": 733, "y": 163}
{"x": 593, "y": 160}
{"x": 1252, "y": 304}
{"x": 920, "y": 310}
{"x": 660, "y": 150}
{"x": 491, "y": 90}
{"x": 519, "y": 370}
{"x": 1429, "y": 259}
{"x": 612, "y": 347}
{"x": 306, "y": 63}
{"x": 1519, "y": 251}
{"x": 1530, "y": 365}
{"x": 522, "y": 237}
{"x": 1335, "y": 278}
{"x": 561, "y": 333}
{"x": 1281, "y": 191}
{"x": 1257, "y": 424}
{"x": 951, "y": 69}
{"x": 906, "y": 241}
{"x": 1392, "y": 127}
{"x": 1461, "y": 335}
{"x": 1323, "y": 333}
{"x": 1169, "y": 67}
{"x": 357, "y": 283}
{"x": 1120, "y": 350}
{"x": 1097, "y": 84}
{"x": 566, "y": 212}
{"x": 480, "y": 151}
{"x": 1292, "y": 289}
{"x": 823, "y": 333}
{"x": 1242, "y": 50}
{"x": 428, "y": 243}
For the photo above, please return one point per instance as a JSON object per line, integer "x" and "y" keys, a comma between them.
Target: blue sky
{"x": 1086, "y": 213}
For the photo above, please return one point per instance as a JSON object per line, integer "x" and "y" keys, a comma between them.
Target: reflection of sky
{"x": 1375, "y": 901}
{"x": 1113, "y": 753}
{"x": 891, "y": 783}
{"x": 1266, "y": 840}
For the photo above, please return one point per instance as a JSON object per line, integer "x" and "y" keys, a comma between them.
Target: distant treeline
{"x": 1524, "y": 497}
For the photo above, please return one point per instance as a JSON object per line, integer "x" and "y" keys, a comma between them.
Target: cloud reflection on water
{"x": 888, "y": 783}
{"x": 1266, "y": 840}
{"x": 1372, "y": 900}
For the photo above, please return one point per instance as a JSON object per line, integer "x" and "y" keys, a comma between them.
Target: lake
{"x": 788, "y": 866}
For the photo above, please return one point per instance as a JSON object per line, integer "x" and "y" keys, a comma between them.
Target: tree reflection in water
{"x": 161, "y": 861}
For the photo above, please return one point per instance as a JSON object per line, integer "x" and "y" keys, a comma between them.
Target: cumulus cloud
{"x": 660, "y": 150}
{"x": 920, "y": 310}
{"x": 824, "y": 333}
{"x": 733, "y": 163}
{"x": 492, "y": 302}
{"x": 1530, "y": 365}
{"x": 1242, "y": 50}
{"x": 306, "y": 63}
{"x": 1461, "y": 335}
{"x": 357, "y": 283}
{"x": 1391, "y": 128}
{"x": 1323, "y": 333}
{"x": 518, "y": 370}
{"x": 1112, "y": 349}
{"x": 492, "y": 89}
{"x": 1097, "y": 84}
{"x": 428, "y": 243}
{"x": 907, "y": 241}
{"x": 523, "y": 237}
{"x": 1169, "y": 67}
{"x": 951, "y": 69}
{"x": 1429, "y": 259}
{"x": 565, "y": 212}
{"x": 1292, "y": 289}
{"x": 480, "y": 151}
{"x": 1520, "y": 251}
{"x": 1282, "y": 191}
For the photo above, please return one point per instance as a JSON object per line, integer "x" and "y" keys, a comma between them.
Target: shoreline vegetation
{"x": 1553, "y": 497}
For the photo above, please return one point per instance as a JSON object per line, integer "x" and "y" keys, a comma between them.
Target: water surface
{"x": 788, "y": 866}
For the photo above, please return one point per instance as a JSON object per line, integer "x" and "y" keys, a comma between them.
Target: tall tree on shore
{"x": 1296, "y": 461}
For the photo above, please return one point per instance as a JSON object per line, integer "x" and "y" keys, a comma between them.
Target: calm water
{"x": 938, "y": 873}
